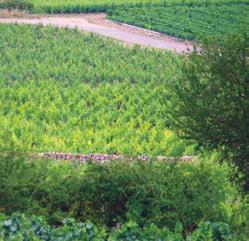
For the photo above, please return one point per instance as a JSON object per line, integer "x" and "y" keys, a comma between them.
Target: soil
{"x": 99, "y": 24}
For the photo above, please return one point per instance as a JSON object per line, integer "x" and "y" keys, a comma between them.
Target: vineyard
{"x": 88, "y": 95}
{"x": 83, "y": 6}
{"x": 187, "y": 22}
{"x": 103, "y": 140}
{"x": 78, "y": 6}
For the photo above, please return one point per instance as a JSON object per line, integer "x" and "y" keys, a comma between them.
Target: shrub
{"x": 160, "y": 193}
{"x": 211, "y": 100}
{"x": 212, "y": 231}
{"x": 16, "y": 4}
{"x": 108, "y": 194}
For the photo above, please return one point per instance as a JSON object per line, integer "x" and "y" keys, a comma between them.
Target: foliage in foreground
{"x": 108, "y": 194}
{"x": 211, "y": 100}
{"x": 21, "y": 228}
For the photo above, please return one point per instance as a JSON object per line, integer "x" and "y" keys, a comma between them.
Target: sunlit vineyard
{"x": 66, "y": 91}
{"x": 102, "y": 140}
{"x": 187, "y": 22}
{"x": 77, "y": 6}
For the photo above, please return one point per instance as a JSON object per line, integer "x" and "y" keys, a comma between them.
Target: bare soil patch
{"x": 99, "y": 24}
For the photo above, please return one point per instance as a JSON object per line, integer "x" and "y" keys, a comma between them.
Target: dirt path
{"x": 99, "y": 24}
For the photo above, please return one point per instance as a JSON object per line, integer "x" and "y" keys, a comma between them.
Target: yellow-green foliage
{"x": 76, "y": 6}
{"x": 66, "y": 91}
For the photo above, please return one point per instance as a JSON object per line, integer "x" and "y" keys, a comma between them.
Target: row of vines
{"x": 187, "y": 22}
{"x": 65, "y": 91}
{"x": 82, "y": 6}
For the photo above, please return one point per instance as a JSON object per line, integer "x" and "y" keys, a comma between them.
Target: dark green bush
{"x": 21, "y": 228}
{"x": 16, "y": 4}
{"x": 152, "y": 192}
{"x": 211, "y": 100}
{"x": 212, "y": 231}
{"x": 159, "y": 193}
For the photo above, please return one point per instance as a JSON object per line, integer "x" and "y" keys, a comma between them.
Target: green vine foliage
{"x": 79, "y": 6}
{"x": 187, "y": 21}
{"x": 62, "y": 90}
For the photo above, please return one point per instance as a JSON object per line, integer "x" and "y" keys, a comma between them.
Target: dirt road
{"x": 99, "y": 24}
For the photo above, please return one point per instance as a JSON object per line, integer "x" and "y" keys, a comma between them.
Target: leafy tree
{"x": 210, "y": 102}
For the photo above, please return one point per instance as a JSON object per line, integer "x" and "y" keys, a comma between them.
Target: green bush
{"x": 16, "y": 4}
{"x": 108, "y": 194}
{"x": 211, "y": 100}
{"x": 212, "y": 231}
{"x": 21, "y": 228}
{"x": 159, "y": 193}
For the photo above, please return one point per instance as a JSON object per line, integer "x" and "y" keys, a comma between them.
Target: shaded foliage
{"x": 108, "y": 194}
{"x": 16, "y": 4}
{"x": 210, "y": 101}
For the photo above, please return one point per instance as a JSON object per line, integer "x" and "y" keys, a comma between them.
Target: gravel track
{"x": 99, "y": 24}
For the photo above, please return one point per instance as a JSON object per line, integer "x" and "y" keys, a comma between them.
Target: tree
{"x": 210, "y": 101}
